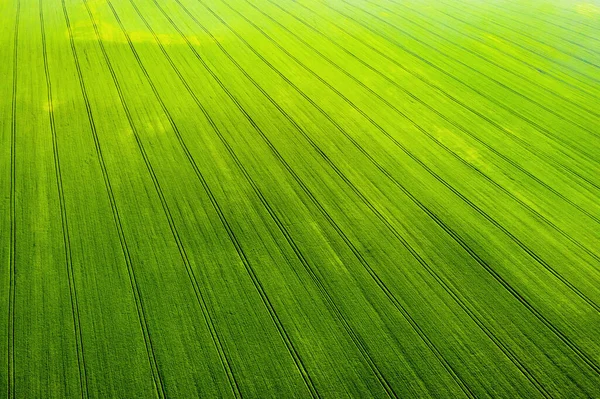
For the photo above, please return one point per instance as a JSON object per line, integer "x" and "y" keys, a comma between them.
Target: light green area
{"x": 229, "y": 198}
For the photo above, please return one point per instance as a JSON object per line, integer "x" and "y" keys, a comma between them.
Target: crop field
{"x": 299, "y": 198}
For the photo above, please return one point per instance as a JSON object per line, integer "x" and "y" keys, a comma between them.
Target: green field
{"x": 299, "y": 198}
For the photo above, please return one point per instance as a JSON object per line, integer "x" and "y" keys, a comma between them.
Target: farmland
{"x": 299, "y": 198}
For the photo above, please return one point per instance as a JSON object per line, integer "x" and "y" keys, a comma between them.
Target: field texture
{"x": 299, "y": 198}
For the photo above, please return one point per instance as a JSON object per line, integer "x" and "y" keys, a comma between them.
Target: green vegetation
{"x": 299, "y": 198}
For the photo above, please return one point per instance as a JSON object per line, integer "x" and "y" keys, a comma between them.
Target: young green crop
{"x": 225, "y": 198}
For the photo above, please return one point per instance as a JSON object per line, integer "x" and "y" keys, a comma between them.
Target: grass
{"x": 227, "y": 198}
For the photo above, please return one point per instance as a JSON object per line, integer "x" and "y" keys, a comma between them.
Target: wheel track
{"x": 567, "y": 28}
{"x": 241, "y": 253}
{"x": 13, "y": 217}
{"x": 363, "y": 198}
{"x": 541, "y": 55}
{"x": 167, "y": 211}
{"x": 562, "y": 16}
{"x": 83, "y": 380}
{"x": 157, "y": 379}
{"x": 202, "y": 301}
{"x": 430, "y": 213}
